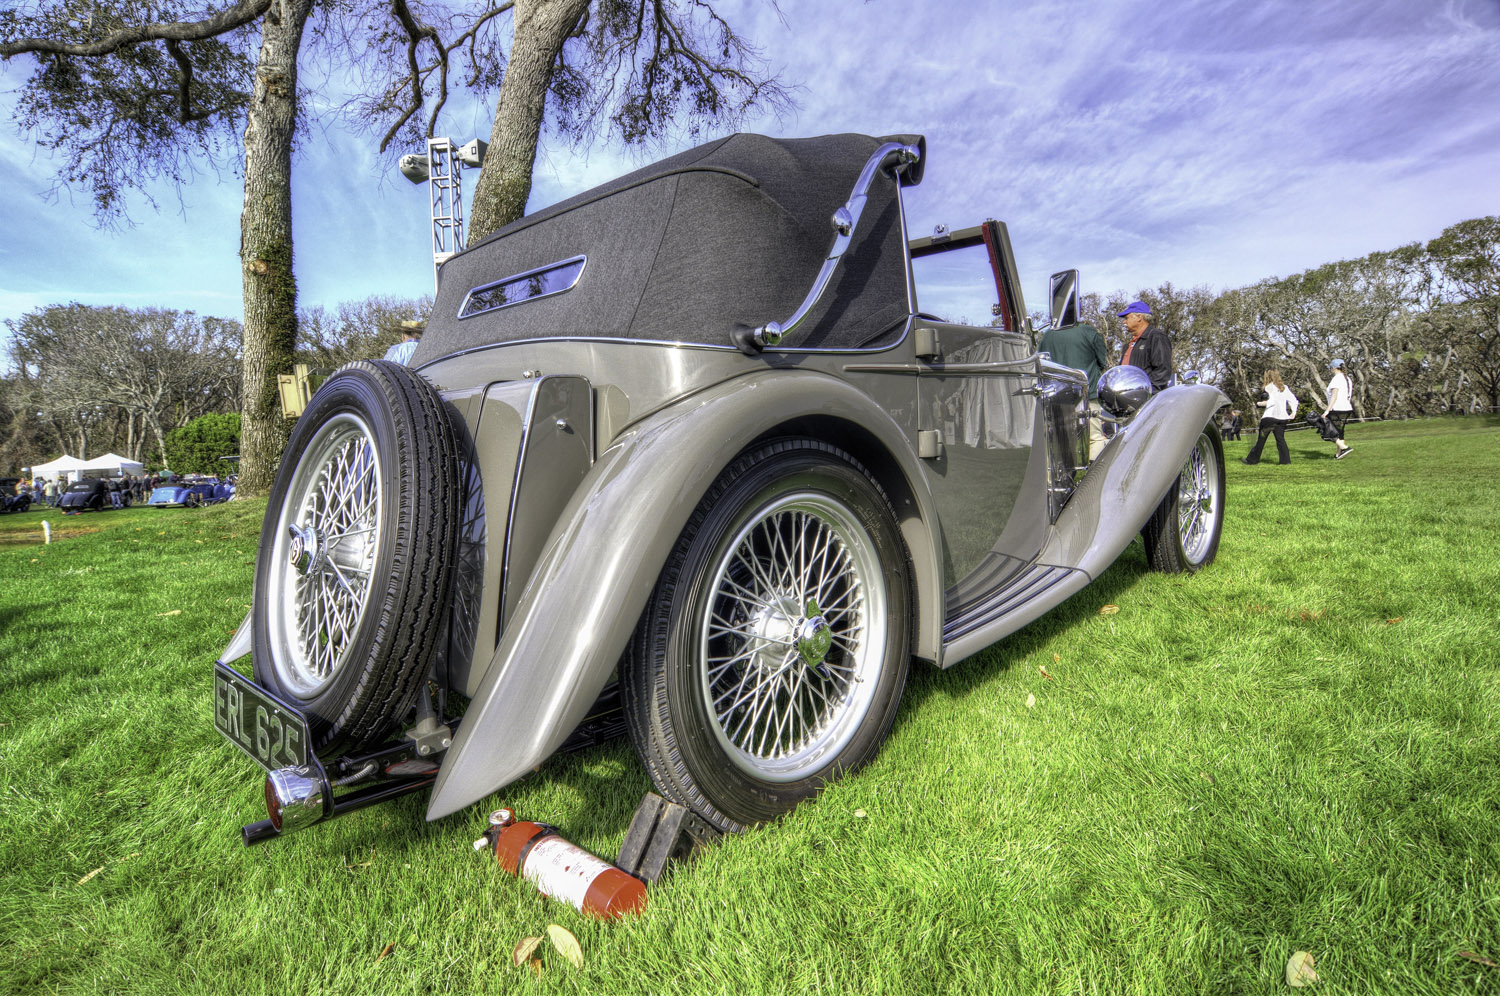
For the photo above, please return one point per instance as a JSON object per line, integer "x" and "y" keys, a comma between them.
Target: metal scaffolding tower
{"x": 442, "y": 169}
{"x": 445, "y": 185}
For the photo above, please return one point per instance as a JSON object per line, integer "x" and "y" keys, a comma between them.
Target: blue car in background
{"x": 190, "y": 493}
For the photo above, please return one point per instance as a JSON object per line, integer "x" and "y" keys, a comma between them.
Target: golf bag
{"x": 1324, "y": 425}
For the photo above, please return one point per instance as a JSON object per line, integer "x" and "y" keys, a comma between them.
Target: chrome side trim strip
{"x": 673, "y": 343}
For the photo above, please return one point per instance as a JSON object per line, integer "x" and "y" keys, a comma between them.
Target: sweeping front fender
{"x": 1130, "y": 478}
{"x": 602, "y": 560}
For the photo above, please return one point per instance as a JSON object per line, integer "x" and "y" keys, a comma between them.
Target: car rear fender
{"x": 1123, "y": 487}
{"x": 601, "y": 561}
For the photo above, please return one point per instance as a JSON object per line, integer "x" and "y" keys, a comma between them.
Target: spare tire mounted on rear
{"x": 356, "y": 563}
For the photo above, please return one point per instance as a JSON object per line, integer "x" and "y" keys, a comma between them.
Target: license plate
{"x": 273, "y": 733}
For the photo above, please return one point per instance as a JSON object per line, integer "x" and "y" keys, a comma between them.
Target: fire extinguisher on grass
{"x": 561, "y": 869}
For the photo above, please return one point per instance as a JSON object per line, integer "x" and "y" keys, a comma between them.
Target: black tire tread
{"x": 419, "y": 605}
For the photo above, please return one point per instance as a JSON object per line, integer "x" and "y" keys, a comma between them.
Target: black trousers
{"x": 1339, "y": 419}
{"x": 1269, "y": 426}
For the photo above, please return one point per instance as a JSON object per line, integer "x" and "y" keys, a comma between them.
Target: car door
{"x": 977, "y": 410}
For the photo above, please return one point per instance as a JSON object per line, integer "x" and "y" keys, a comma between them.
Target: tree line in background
{"x": 89, "y": 380}
{"x": 1418, "y": 327}
{"x": 158, "y": 386}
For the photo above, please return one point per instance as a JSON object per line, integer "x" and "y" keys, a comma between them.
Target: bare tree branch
{"x": 239, "y": 15}
{"x": 185, "y": 85}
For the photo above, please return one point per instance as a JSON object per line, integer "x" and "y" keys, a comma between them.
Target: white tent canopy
{"x": 109, "y": 465}
{"x": 112, "y": 465}
{"x": 62, "y": 466}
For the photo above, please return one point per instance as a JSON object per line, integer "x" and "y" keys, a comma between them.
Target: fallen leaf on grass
{"x": 174, "y": 612}
{"x": 1109, "y": 610}
{"x": 1310, "y": 615}
{"x": 1045, "y": 673}
{"x": 1392, "y": 622}
{"x": 1299, "y": 970}
{"x": 1031, "y": 701}
{"x": 524, "y": 949}
{"x": 385, "y": 951}
{"x": 566, "y": 944}
{"x": 1479, "y": 958}
{"x": 1056, "y": 659}
{"x": 859, "y": 814}
{"x": 91, "y": 875}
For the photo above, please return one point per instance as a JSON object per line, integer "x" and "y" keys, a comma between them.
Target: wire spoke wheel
{"x": 773, "y": 653}
{"x": 325, "y": 557}
{"x": 1183, "y": 534}
{"x": 1198, "y": 498}
{"x": 789, "y": 639}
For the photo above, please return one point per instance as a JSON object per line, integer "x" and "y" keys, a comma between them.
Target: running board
{"x": 1026, "y": 596}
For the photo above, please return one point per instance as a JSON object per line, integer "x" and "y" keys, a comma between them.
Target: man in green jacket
{"x": 1082, "y": 348}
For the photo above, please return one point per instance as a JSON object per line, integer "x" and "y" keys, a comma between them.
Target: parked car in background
{"x": 188, "y": 492}
{"x": 701, "y": 451}
{"x": 12, "y": 502}
{"x": 90, "y": 494}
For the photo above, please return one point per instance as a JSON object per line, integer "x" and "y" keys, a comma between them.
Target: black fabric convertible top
{"x": 732, "y": 232}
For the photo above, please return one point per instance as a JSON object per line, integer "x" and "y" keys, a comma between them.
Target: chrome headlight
{"x": 1123, "y": 390}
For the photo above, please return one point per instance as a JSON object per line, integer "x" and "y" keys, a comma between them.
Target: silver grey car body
{"x": 604, "y": 364}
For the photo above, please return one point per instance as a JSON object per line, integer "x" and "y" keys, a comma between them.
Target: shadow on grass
{"x": 963, "y": 677}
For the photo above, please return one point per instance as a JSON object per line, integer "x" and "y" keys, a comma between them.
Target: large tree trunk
{"x": 540, "y": 28}
{"x": 266, "y": 244}
{"x": 161, "y": 440}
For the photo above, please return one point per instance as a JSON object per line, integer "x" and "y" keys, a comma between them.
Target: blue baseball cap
{"x": 1337, "y": 364}
{"x": 1135, "y": 308}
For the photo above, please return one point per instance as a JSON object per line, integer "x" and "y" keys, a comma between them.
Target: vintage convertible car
{"x": 12, "y": 499}
{"x": 188, "y": 493}
{"x": 679, "y": 440}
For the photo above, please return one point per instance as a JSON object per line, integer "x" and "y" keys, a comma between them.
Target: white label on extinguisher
{"x": 562, "y": 870}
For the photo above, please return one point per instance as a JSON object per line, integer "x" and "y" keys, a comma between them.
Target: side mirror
{"x": 1063, "y": 291}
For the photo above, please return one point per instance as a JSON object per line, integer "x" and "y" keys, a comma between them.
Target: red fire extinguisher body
{"x": 565, "y": 871}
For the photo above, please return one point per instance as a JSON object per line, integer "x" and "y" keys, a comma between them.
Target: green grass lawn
{"x": 1294, "y": 750}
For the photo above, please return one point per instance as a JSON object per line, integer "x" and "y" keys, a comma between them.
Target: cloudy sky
{"x": 1213, "y": 142}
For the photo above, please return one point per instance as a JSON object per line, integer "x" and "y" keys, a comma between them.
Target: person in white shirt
{"x": 1340, "y": 405}
{"x": 1280, "y": 408}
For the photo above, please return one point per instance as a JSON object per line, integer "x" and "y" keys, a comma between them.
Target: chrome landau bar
{"x": 845, "y": 219}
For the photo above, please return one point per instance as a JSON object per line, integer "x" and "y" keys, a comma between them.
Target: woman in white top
{"x": 1280, "y": 408}
{"x": 1340, "y": 405}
